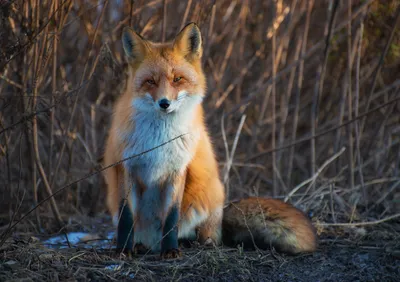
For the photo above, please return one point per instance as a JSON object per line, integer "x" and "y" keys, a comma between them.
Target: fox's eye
{"x": 150, "y": 82}
{"x": 178, "y": 78}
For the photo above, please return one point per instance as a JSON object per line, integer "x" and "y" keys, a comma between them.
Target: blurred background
{"x": 302, "y": 102}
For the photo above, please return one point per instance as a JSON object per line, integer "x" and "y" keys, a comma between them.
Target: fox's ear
{"x": 135, "y": 46}
{"x": 188, "y": 42}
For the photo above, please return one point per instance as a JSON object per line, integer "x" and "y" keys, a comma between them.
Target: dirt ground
{"x": 362, "y": 254}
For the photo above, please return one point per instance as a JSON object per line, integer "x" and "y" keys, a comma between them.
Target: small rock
{"x": 46, "y": 256}
{"x": 12, "y": 265}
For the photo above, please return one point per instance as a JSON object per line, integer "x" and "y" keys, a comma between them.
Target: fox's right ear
{"x": 135, "y": 46}
{"x": 189, "y": 42}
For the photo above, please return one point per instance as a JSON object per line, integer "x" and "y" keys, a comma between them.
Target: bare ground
{"x": 352, "y": 254}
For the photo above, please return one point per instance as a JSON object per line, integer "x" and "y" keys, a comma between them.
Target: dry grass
{"x": 372, "y": 258}
{"x": 291, "y": 82}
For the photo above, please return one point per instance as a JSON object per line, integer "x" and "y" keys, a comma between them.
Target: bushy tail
{"x": 264, "y": 223}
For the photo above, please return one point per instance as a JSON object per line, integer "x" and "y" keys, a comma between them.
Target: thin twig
{"x": 349, "y": 94}
{"x": 362, "y": 223}
{"x": 164, "y": 22}
{"x": 226, "y": 146}
{"x": 316, "y": 174}
{"x": 185, "y": 16}
{"x": 235, "y": 142}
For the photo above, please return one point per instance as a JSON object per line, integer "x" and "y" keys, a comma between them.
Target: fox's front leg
{"x": 169, "y": 243}
{"x": 125, "y": 230}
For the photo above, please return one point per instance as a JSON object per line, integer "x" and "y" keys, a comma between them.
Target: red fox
{"x": 173, "y": 191}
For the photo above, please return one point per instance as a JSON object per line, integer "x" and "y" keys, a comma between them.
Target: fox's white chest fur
{"x": 153, "y": 128}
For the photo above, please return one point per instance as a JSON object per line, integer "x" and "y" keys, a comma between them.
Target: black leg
{"x": 169, "y": 243}
{"x": 125, "y": 229}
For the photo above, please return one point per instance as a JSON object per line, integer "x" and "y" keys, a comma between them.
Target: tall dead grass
{"x": 303, "y": 99}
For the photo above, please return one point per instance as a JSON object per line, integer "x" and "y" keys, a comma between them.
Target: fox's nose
{"x": 164, "y": 103}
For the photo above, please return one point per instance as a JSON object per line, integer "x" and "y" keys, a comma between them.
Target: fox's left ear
{"x": 134, "y": 45}
{"x": 189, "y": 42}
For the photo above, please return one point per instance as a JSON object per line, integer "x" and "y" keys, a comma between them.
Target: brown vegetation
{"x": 303, "y": 102}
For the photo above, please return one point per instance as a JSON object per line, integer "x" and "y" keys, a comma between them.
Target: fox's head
{"x": 165, "y": 77}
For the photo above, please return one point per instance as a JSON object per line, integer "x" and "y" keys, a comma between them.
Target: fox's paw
{"x": 125, "y": 251}
{"x": 209, "y": 242}
{"x": 171, "y": 254}
{"x": 140, "y": 249}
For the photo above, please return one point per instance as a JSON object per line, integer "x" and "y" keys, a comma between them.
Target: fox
{"x": 169, "y": 187}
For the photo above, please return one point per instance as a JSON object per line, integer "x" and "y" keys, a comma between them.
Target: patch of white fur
{"x": 153, "y": 127}
{"x": 187, "y": 227}
{"x": 218, "y": 214}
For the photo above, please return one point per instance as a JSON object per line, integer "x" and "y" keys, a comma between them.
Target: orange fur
{"x": 266, "y": 223}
